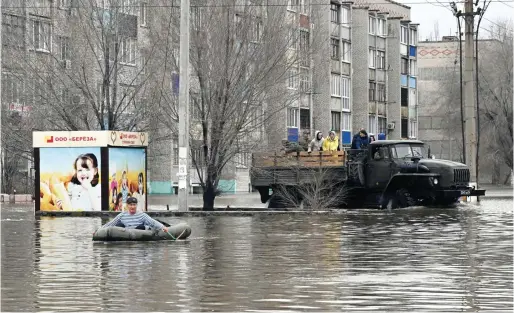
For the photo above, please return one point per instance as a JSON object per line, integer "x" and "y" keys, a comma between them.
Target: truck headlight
{"x": 436, "y": 181}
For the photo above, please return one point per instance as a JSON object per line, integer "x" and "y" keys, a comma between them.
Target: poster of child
{"x": 127, "y": 168}
{"x": 70, "y": 179}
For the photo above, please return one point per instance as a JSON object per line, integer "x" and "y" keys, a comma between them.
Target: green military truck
{"x": 387, "y": 174}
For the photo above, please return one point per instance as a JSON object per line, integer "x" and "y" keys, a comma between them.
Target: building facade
{"x": 356, "y": 69}
{"x": 365, "y": 75}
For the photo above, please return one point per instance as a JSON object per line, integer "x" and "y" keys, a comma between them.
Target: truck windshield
{"x": 400, "y": 151}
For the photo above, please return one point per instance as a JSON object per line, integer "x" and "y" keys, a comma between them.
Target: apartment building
{"x": 365, "y": 77}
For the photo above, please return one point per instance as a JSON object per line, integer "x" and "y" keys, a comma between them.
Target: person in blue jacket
{"x": 381, "y": 136}
{"x": 360, "y": 140}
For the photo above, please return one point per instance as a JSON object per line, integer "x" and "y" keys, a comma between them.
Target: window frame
{"x": 335, "y": 85}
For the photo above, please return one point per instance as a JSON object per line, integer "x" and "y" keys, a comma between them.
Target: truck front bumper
{"x": 452, "y": 193}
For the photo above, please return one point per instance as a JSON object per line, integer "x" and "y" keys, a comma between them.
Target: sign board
{"x": 128, "y": 139}
{"x": 68, "y": 139}
{"x": 292, "y": 134}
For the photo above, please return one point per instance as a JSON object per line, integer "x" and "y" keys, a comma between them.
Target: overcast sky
{"x": 429, "y": 12}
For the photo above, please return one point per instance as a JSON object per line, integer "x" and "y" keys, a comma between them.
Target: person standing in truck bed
{"x": 331, "y": 143}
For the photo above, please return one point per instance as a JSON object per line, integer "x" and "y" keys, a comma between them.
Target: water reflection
{"x": 412, "y": 259}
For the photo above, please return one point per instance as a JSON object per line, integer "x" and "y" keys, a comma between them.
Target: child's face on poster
{"x": 85, "y": 175}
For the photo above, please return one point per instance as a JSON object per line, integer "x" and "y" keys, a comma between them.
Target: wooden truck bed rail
{"x": 299, "y": 159}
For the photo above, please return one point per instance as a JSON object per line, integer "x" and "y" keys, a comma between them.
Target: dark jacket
{"x": 359, "y": 142}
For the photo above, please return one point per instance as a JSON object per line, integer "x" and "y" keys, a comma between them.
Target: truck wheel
{"x": 404, "y": 198}
{"x": 264, "y": 193}
{"x": 278, "y": 201}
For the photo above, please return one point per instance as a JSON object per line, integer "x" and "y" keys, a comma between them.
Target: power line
{"x": 253, "y": 5}
{"x": 510, "y": 6}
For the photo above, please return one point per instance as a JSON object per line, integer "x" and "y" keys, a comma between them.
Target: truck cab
{"x": 402, "y": 169}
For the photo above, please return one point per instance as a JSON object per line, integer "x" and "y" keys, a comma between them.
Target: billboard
{"x": 127, "y": 177}
{"x": 69, "y": 179}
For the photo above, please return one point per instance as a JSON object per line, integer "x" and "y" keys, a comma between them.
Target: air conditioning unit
{"x": 66, "y": 64}
{"x": 390, "y": 125}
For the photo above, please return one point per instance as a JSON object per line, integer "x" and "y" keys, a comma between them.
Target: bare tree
{"x": 325, "y": 188}
{"x": 86, "y": 72}
{"x": 243, "y": 54}
{"x": 495, "y": 92}
{"x": 495, "y": 73}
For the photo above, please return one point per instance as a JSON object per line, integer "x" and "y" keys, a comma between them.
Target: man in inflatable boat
{"x": 134, "y": 220}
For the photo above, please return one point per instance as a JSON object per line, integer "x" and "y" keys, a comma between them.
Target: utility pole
{"x": 469, "y": 92}
{"x": 183, "y": 109}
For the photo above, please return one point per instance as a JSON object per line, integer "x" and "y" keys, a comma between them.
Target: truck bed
{"x": 297, "y": 168}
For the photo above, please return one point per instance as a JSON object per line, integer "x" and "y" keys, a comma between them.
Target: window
{"x": 175, "y": 151}
{"x": 336, "y": 122}
{"x": 292, "y": 39}
{"x": 347, "y": 53}
{"x": 293, "y": 5}
{"x": 195, "y": 111}
{"x": 127, "y": 98}
{"x": 196, "y": 17}
{"x": 305, "y": 85}
{"x": 304, "y": 41}
{"x": 372, "y": 25}
{"x": 345, "y": 16}
{"x": 335, "y": 85}
{"x": 381, "y": 60}
{"x": 381, "y": 27}
{"x": 404, "y": 32}
{"x": 292, "y": 117}
{"x": 128, "y": 50}
{"x": 345, "y": 93}
{"x": 13, "y": 93}
{"x": 372, "y": 90}
{"x": 405, "y": 66}
{"x": 63, "y": 4}
{"x": 257, "y": 29}
{"x": 404, "y": 97}
{"x": 292, "y": 82}
{"x": 142, "y": 14}
{"x": 404, "y": 130}
{"x": 413, "y": 37}
{"x": 347, "y": 121}
{"x": 372, "y": 121}
{"x": 143, "y": 64}
{"x": 128, "y": 6}
{"x": 64, "y": 43}
{"x": 382, "y": 125}
{"x": 41, "y": 35}
{"x": 335, "y": 48}
{"x": 305, "y": 119}
{"x": 413, "y": 68}
{"x": 197, "y": 157}
{"x": 371, "y": 58}
{"x": 381, "y": 92}
{"x": 13, "y": 28}
{"x": 412, "y": 97}
{"x": 334, "y": 13}
{"x": 242, "y": 159}
{"x": 413, "y": 129}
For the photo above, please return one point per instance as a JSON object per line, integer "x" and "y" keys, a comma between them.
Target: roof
{"x": 393, "y": 142}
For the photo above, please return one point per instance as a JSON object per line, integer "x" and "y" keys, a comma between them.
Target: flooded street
{"x": 412, "y": 260}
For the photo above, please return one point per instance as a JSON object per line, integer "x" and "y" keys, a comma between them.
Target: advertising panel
{"x": 70, "y": 179}
{"x": 127, "y": 177}
{"x": 69, "y": 139}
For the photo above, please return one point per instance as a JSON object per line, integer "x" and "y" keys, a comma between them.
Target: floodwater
{"x": 412, "y": 260}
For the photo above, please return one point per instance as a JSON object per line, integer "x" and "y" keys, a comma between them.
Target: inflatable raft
{"x": 177, "y": 231}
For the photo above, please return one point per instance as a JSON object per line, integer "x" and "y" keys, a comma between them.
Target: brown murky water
{"x": 412, "y": 260}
